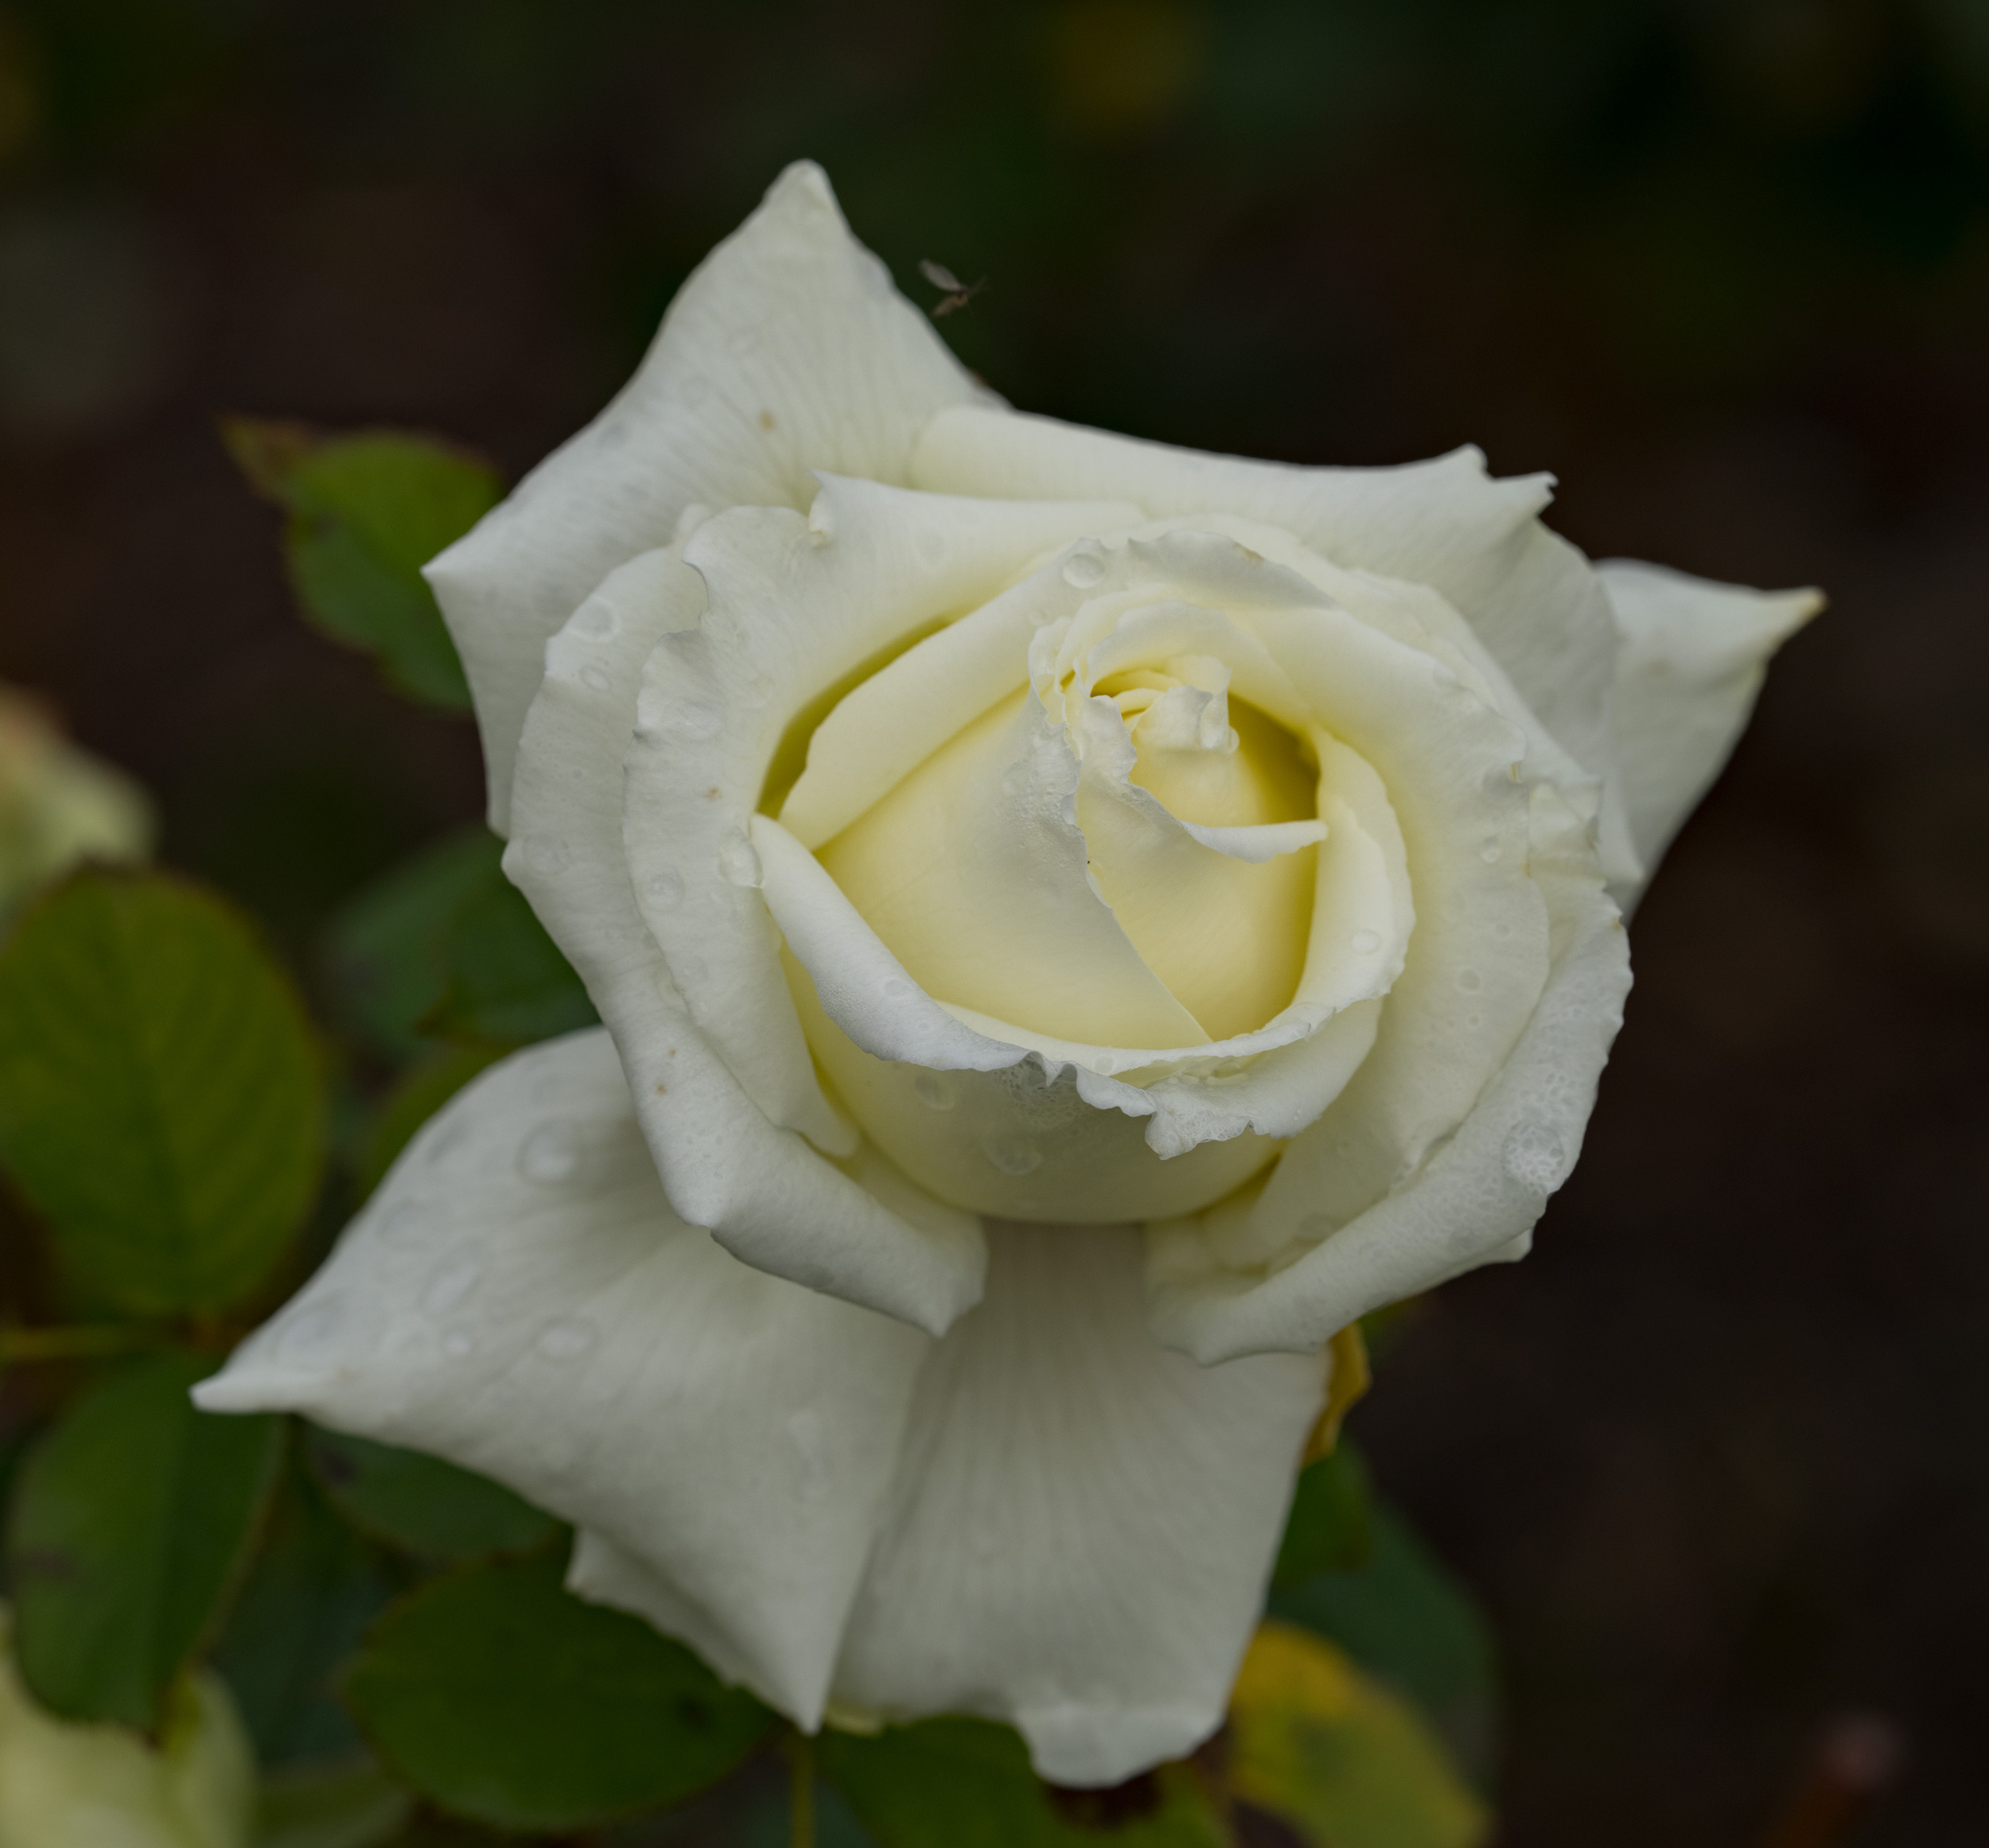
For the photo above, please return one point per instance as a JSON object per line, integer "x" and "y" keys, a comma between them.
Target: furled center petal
{"x": 1119, "y": 853}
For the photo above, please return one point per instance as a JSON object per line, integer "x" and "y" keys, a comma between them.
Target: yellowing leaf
{"x": 1338, "y": 1759}
{"x": 1346, "y": 1387}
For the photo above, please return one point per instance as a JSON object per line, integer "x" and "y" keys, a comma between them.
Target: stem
{"x": 75, "y": 1343}
{"x": 800, "y": 1790}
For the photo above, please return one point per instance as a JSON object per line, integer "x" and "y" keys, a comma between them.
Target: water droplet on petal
{"x": 597, "y": 677}
{"x": 696, "y": 723}
{"x": 1014, "y": 1155}
{"x": 1469, "y": 981}
{"x": 742, "y": 340}
{"x": 897, "y": 988}
{"x": 1316, "y": 1226}
{"x": 1501, "y": 931}
{"x": 933, "y": 1091}
{"x": 757, "y": 690}
{"x": 597, "y": 620}
{"x": 310, "y": 1330}
{"x": 690, "y": 970}
{"x": 1535, "y": 1157}
{"x": 1489, "y": 851}
{"x": 550, "y": 1154}
{"x": 458, "y": 1346}
{"x": 407, "y": 1221}
{"x": 738, "y": 864}
{"x": 665, "y": 890}
{"x": 1083, "y": 570}
{"x": 1366, "y": 943}
{"x": 547, "y": 854}
{"x": 450, "y": 1287}
{"x": 804, "y": 1428}
{"x": 567, "y": 1339}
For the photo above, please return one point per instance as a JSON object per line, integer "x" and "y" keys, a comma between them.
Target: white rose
{"x": 1155, "y": 902}
{"x": 68, "y": 1786}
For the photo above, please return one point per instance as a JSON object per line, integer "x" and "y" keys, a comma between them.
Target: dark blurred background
{"x": 1717, "y": 1457}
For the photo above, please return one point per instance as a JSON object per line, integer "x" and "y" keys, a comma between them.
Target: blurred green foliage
{"x": 161, "y": 1100}
{"x": 366, "y": 513}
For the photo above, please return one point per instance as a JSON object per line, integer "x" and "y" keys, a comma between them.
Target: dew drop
{"x": 1535, "y": 1157}
{"x": 933, "y": 1091}
{"x": 804, "y": 1428}
{"x": 690, "y": 970}
{"x": 897, "y": 988}
{"x": 1366, "y": 943}
{"x": 740, "y": 341}
{"x": 450, "y": 1287}
{"x": 567, "y": 1339}
{"x": 597, "y": 621}
{"x": 407, "y": 1221}
{"x": 597, "y": 677}
{"x": 1013, "y": 1155}
{"x": 738, "y": 864}
{"x": 1469, "y": 981}
{"x": 757, "y": 690}
{"x": 547, "y": 854}
{"x": 666, "y": 891}
{"x": 1490, "y": 849}
{"x": 1501, "y": 931}
{"x": 694, "y": 722}
{"x": 550, "y": 1154}
{"x": 458, "y": 1346}
{"x": 1083, "y": 570}
{"x": 310, "y": 1330}
{"x": 1317, "y": 1226}
{"x": 1473, "y": 1021}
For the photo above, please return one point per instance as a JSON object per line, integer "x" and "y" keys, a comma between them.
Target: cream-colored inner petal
{"x": 1123, "y": 858}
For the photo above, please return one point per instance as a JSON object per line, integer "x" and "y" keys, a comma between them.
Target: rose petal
{"x": 518, "y": 1297}
{"x": 789, "y": 350}
{"x": 794, "y": 608}
{"x": 1531, "y": 597}
{"x": 763, "y": 1192}
{"x": 1473, "y": 1201}
{"x": 1695, "y": 654}
{"x": 1082, "y": 1523}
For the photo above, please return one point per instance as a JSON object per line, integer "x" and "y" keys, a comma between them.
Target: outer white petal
{"x": 1082, "y": 1523}
{"x": 787, "y": 351}
{"x": 519, "y": 1297}
{"x": 1694, "y": 656}
{"x": 1532, "y": 598}
{"x": 1472, "y": 1201}
{"x": 766, "y": 1194}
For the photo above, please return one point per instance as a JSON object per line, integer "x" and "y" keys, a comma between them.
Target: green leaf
{"x": 508, "y": 982}
{"x": 421, "y": 1504}
{"x": 131, "y": 1522}
{"x": 447, "y": 947}
{"x": 421, "y": 1092}
{"x": 1406, "y": 1618}
{"x": 385, "y": 950}
{"x": 366, "y": 512}
{"x": 503, "y": 1699}
{"x": 162, "y": 1104}
{"x": 314, "y": 1587}
{"x": 1338, "y": 1760}
{"x": 348, "y": 1806}
{"x": 967, "y": 1784}
{"x": 1329, "y": 1529}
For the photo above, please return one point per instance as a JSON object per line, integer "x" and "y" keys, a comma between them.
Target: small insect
{"x": 957, "y": 293}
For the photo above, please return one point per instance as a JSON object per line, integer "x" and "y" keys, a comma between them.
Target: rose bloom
{"x": 1077, "y": 922}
